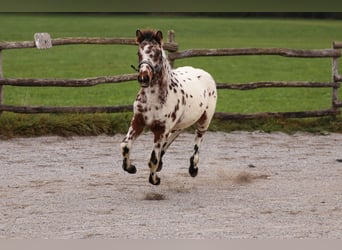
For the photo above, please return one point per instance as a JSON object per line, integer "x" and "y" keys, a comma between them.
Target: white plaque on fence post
{"x": 42, "y": 40}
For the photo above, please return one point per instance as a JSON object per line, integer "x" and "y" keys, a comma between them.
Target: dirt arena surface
{"x": 250, "y": 185}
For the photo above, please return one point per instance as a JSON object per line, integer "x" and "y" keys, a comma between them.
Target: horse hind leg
{"x": 172, "y": 136}
{"x": 162, "y": 140}
{"x": 202, "y": 126}
{"x": 194, "y": 159}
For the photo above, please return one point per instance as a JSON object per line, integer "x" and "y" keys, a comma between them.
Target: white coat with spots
{"x": 169, "y": 101}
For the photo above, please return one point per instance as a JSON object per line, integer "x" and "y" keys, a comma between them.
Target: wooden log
{"x": 256, "y": 51}
{"x": 300, "y": 114}
{"x": 1, "y": 87}
{"x": 87, "y": 82}
{"x": 338, "y": 78}
{"x": 92, "y": 40}
{"x": 334, "y": 69}
{"x": 54, "y": 110}
{"x": 69, "y": 41}
{"x": 335, "y": 77}
{"x": 337, "y": 45}
{"x": 171, "y": 39}
{"x": 276, "y": 84}
{"x": 337, "y": 104}
{"x": 17, "y": 45}
{"x": 129, "y": 108}
{"x": 171, "y": 47}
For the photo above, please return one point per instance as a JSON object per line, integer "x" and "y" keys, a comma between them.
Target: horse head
{"x": 150, "y": 55}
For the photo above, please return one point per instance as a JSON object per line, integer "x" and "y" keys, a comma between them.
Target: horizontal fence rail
{"x": 86, "y": 82}
{"x": 172, "y": 47}
{"x": 169, "y": 46}
{"x": 300, "y": 114}
{"x": 256, "y": 51}
{"x": 58, "y": 110}
{"x": 337, "y": 45}
{"x": 256, "y": 85}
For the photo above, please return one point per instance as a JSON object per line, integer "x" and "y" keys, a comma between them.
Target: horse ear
{"x": 159, "y": 37}
{"x": 139, "y": 36}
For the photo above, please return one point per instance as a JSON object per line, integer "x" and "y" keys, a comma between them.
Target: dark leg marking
{"x": 154, "y": 159}
{"x": 193, "y": 171}
{"x": 160, "y": 165}
{"x": 125, "y": 150}
{"x": 196, "y": 148}
{"x": 130, "y": 169}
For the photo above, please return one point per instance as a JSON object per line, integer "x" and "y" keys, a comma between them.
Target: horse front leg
{"x": 154, "y": 161}
{"x": 135, "y": 129}
{"x": 160, "y": 140}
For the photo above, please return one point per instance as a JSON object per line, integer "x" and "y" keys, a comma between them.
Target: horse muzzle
{"x": 144, "y": 79}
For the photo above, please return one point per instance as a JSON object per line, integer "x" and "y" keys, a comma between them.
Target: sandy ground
{"x": 250, "y": 185}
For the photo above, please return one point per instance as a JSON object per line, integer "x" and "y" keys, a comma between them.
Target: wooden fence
{"x": 44, "y": 41}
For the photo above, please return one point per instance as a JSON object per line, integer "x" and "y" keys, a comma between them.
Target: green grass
{"x": 191, "y": 32}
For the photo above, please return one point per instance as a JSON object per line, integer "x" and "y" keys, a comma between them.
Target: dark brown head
{"x": 150, "y": 55}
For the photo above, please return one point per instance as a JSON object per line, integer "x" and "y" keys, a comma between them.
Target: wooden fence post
{"x": 335, "y": 78}
{"x": 1, "y": 86}
{"x": 171, "y": 39}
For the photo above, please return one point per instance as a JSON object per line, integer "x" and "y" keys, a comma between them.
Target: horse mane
{"x": 149, "y": 35}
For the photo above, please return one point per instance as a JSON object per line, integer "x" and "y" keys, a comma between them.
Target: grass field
{"x": 191, "y": 32}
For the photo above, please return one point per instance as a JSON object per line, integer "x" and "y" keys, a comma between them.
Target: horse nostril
{"x": 143, "y": 79}
{"x": 146, "y": 79}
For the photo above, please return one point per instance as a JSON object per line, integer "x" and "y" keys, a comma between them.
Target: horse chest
{"x": 153, "y": 109}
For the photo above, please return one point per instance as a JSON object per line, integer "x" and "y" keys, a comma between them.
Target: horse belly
{"x": 198, "y": 95}
{"x": 192, "y": 111}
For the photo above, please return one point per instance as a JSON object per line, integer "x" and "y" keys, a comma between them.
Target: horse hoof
{"x": 193, "y": 171}
{"x": 152, "y": 182}
{"x": 131, "y": 169}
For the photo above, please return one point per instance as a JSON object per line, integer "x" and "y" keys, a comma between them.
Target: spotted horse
{"x": 169, "y": 101}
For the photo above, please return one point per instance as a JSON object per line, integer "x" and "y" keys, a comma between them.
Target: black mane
{"x": 149, "y": 35}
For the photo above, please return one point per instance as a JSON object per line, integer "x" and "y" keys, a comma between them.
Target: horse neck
{"x": 166, "y": 69}
{"x": 164, "y": 79}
